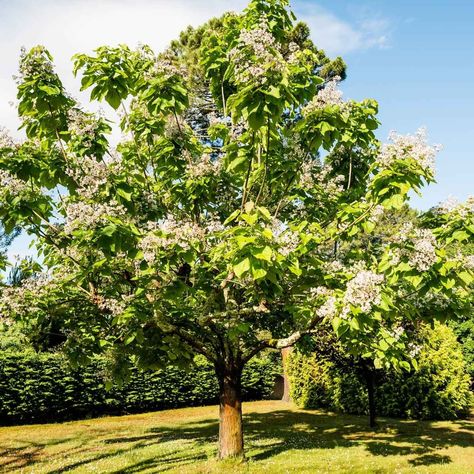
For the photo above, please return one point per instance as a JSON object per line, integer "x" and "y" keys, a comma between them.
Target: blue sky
{"x": 415, "y": 57}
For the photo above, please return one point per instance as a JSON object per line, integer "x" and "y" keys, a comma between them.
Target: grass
{"x": 279, "y": 439}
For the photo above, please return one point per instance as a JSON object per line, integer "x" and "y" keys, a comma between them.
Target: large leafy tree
{"x": 214, "y": 226}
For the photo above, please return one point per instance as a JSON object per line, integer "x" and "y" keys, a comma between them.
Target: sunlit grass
{"x": 279, "y": 439}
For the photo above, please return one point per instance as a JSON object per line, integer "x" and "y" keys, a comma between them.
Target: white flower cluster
{"x": 11, "y": 184}
{"x": 286, "y": 238}
{"x": 204, "y": 167}
{"x": 165, "y": 68}
{"x": 6, "y": 141}
{"x": 90, "y": 175}
{"x": 334, "y": 266}
{"x": 169, "y": 233}
{"x": 314, "y": 174}
{"x": 469, "y": 262}
{"x": 294, "y": 51}
{"x": 447, "y": 206}
{"x": 430, "y": 300}
{"x": 376, "y": 213}
{"x": 328, "y": 309}
{"x": 403, "y": 147}
{"x": 34, "y": 63}
{"x": 452, "y": 205}
{"x": 413, "y": 349}
{"x": 115, "y": 306}
{"x": 423, "y": 254}
{"x": 15, "y": 300}
{"x": 82, "y": 125}
{"x": 85, "y": 215}
{"x": 257, "y": 55}
{"x": 397, "y": 332}
{"x": 363, "y": 291}
{"x": 330, "y": 95}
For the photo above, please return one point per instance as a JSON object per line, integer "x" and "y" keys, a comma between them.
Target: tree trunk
{"x": 231, "y": 439}
{"x": 369, "y": 380}
{"x": 285, "y": 353}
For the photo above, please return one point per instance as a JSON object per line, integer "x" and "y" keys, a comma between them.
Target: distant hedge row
{"x": 42, "y": 387}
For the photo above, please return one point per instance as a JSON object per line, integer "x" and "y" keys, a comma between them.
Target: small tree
{"x": 213, "y": 226}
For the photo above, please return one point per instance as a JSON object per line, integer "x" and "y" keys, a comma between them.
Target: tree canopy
{"x": 221, "y": 222}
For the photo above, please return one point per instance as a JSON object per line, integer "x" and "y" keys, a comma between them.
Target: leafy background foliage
{"x": 438, "y": 389}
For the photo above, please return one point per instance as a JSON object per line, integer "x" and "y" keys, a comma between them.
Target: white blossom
{"x": 329, "y": 95}
{"x": 204, "y": 167}
{"x": 421, "y": 251}
{"x": 294, "y": 51}
{"x": 85, "y": 215}
{"x": 286, "y": 238}
{"x": 397, "y": 332}
{"x": 314, "y": 174}
{"x": 363, "y": 291}
{"x": 6, "y": 140}
{"x": 89, "y": 174}
{"x": 257, "y": 55}
{"x": 413, "y": 349}
{"x": 16, "y": 300}
{"x": 11, "y": 184}
{"x": 116, "y": 306}
{"x": 168, "y": 233}
{"x": 403, "y": 147}
{"x": 82, "y": 125}
{"x": 424, "y": 252}
{"x": 328, "y": 309}
{"x": 447, "y": 206}
{"x": 453, "y": 206}
{"x": 165, "y": 68}
{"x": 34, "y": 63}
{"x": 334, "y": 266}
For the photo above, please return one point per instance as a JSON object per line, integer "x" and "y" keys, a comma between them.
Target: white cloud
{"x": 339, "y": 37}
{"x": 67, "y": 27}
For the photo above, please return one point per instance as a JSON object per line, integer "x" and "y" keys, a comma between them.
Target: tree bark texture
{"x": 231, "y": 439}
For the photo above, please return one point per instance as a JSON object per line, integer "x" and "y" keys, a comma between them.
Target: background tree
{"x": 212, "y": 227}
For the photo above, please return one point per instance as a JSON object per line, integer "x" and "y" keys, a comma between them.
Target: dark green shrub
{"x": 42, "y": 387}
{"x": 438, "y": 390}
{"x": 464, "y": 330}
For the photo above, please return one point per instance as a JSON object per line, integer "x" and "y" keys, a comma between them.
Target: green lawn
{"x": 279, "y": 439}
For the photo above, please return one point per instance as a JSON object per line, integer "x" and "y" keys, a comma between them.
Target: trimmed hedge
{"x": 43, "y": 388}
{"x": 439, "y": 389}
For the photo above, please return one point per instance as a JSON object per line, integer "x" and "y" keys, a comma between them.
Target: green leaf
{"x": 368, "y": 226}
{"x": 405, "y": 365}
{"x": 258, "y": 273}
{"x": 383, "y": 345}
{"x": 460, "y": 235}
{"x": 125, "y": 194}
{"x": 50, "y": 90}
{"x": 265, "y": 212}
{"x": 232, "y": 217}
{"x": 264, "y": 254}
{"x": 243, "y": 240}
{"x": 466, "y": 277}
{"x": 242, "y": 267}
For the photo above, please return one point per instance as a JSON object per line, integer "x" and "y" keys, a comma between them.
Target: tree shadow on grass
{"x": 269, "y": 434}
